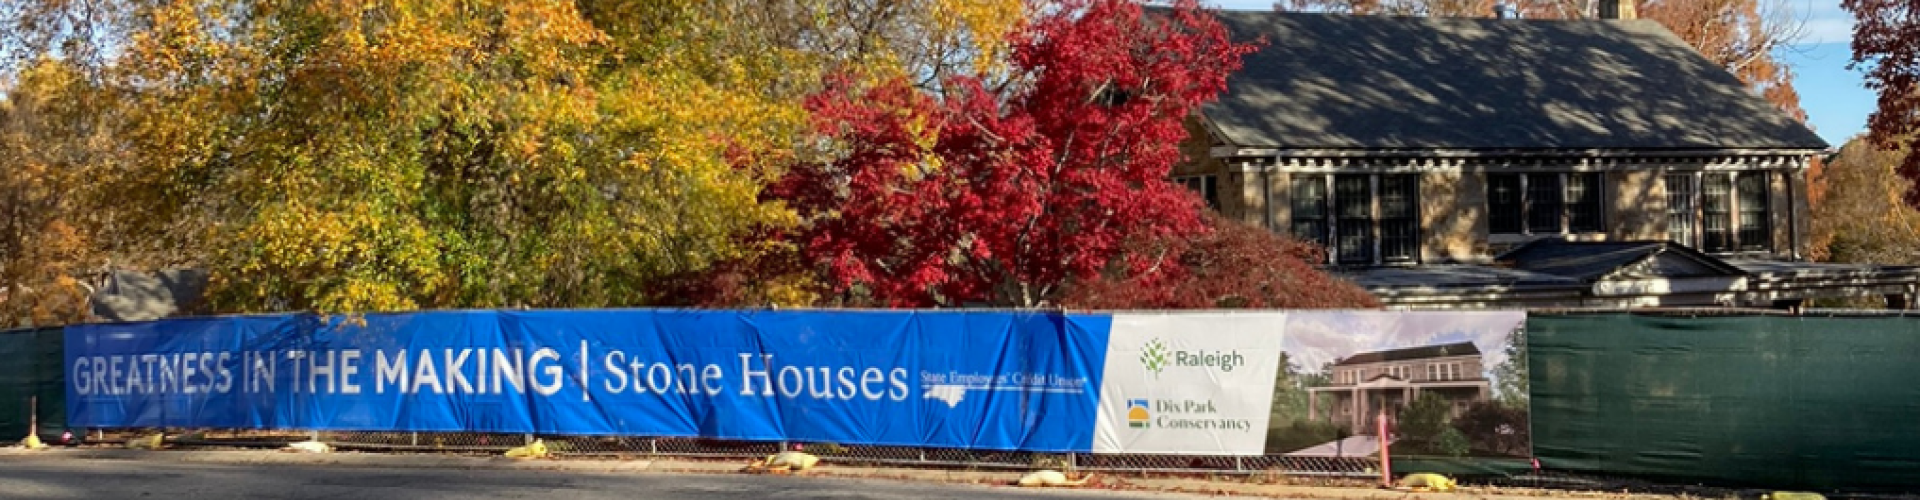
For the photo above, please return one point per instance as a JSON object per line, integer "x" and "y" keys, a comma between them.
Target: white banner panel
{"x": 1189, "y": 383}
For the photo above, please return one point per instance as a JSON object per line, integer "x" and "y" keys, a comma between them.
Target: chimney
{"x": 1503, "y": 10}
{"x": 1617, "y": 9}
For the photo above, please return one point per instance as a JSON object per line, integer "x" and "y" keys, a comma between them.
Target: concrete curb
{"x": 843, "y": 472}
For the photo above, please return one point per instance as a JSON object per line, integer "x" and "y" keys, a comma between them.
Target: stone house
{"x": 1500, "y": 162}
{"x": 1367, "y": 383}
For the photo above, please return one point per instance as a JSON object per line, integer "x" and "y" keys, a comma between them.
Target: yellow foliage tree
{"x": 363, "y": 155}
{"x": 1864, "y": 220}
{"x": 49, "y": 138}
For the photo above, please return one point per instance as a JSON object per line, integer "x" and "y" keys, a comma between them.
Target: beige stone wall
{"x": 1637, "y": 205}
{"x": 1244, "y": 198}
{"x": 1453, "y": 206}
{"x": 1789, "y": 212}
{"x": 1280, "y": 195}
{"x": 1196, "y": 152}
{"x": 1453, "y": 217}
{"x": 1197, "y": 159}
{"x": 1240, "y": 197}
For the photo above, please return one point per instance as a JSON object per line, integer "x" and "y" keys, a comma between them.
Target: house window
{"x": 1309, "y": 202}
{"x": 1353, "y": 219}
{"x": 1544, "y": 203}
{"x": 1750, "y": 192}
{"x": 1681, "y": 210}
{"x": 1362, "y": 218}
{"x": 1717, "y": 209}
{"x": 1504, "y": 203}
{"x": 1202, "y": 185}
{"x": 1398, "y": 228}
{"x": 1720, "y": 211}
{"x": 1543, "y": 206}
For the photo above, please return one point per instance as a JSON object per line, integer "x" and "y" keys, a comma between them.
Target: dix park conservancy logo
{"x": 1154, "y": 357}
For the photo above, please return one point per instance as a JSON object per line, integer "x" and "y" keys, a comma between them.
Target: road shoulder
{"x": 1234, "y": 485}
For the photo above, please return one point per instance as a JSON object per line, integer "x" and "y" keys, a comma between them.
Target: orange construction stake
{"x": 1386, "y": 461}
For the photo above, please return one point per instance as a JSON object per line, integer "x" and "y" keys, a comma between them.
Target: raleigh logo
{"x": 1154, "y": 357}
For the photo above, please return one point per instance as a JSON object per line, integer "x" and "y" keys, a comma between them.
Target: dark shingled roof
{"x": 1588, "y": 261}
{"x": 1432, "y": 351}
{"x": 1455, "y": 276}
{"x": 1329, "y": 81}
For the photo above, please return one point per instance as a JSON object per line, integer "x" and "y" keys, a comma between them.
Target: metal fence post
{"x": 1237, "y": 466}
{"x": 415, "y": 438}
{"x": 1073, "y": 461}
{"x": 528, "y": 438}
{"x": 653, "y": 446}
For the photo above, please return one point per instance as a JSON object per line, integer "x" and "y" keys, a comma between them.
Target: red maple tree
{"x": 1002, "y": 195}
{"x": 1234, "y": 265}
{"x": 1886, "y": 40}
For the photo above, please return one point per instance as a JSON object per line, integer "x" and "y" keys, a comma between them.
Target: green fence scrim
{"x": 1462, "y": 467}
{"x": 1781, "y": 402}
{"x": 30, "y": 365}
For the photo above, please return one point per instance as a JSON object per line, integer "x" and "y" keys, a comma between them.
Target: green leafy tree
{"x": 1426, "y": 418}
{"x": 1510, "y": 376}
{"x": 1452, "y": 443}
{"x": 1496, "y": 427}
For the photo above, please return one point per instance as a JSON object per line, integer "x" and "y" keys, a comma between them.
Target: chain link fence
{"x": 615, "y": 447}
{"x": 1340, "y": 471}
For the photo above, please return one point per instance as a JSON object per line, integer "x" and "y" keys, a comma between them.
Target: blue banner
{"x": 990, "y": 380}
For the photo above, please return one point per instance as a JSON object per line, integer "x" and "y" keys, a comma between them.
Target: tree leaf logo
{"x": 1154, "y": 357}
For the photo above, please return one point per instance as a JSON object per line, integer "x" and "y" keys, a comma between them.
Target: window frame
{"x": 1593, "y": 192}
{"x": 1701, "y": 211}
{"x": 1763, "y": 228}
{"x": 1328, "y": 217}
{"x": 1688, "y": 213}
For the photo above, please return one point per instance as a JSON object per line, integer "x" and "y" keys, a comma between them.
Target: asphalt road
{"x": 129, "y": 479}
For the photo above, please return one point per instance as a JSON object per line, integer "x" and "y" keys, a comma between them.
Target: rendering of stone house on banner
{"x": 1499, "y": 162}
{"x": 1367, "y": 383}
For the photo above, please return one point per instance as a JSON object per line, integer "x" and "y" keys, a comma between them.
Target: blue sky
{"x": 1836, "y": 100}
